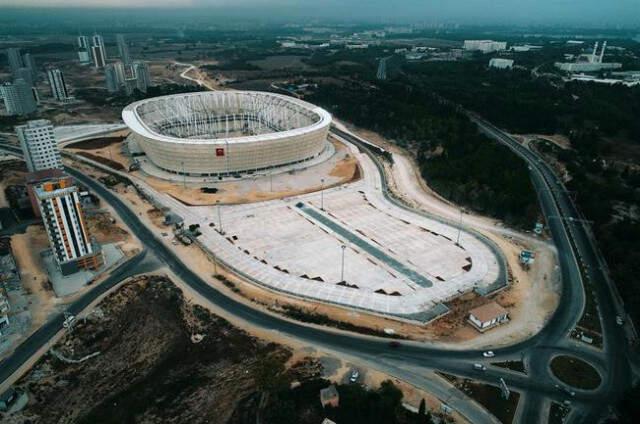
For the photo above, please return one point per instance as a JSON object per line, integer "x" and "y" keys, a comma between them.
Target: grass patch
{"x": 488, "y": 396}
{"x": 575, "y": 372}
{"x": 512, "y": 365}
{"x": 322, "y": 319}
{"x": 558, "y": 413}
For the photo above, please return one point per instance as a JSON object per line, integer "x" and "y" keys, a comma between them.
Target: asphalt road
{"x": 411, "y": 361}
{"x": 616, "y": 358}
{"x": 45, "y": 333}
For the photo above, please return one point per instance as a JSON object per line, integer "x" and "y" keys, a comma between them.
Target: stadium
{"x": 222, "y": 133}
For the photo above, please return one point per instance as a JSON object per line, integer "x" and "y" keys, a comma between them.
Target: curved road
{"x": 414, "y": 361}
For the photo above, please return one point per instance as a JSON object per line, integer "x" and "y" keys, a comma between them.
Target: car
{"x": 394, "y": 344}
{"x": 354, "y": 376}
{"x": 68, "y": 322}
{"x": 488, "y": 354}
{"x": 479, "y": 367}
{"x": 619, "y": 320}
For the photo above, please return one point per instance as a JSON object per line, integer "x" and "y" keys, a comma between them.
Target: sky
{"x": 607, "y": 12}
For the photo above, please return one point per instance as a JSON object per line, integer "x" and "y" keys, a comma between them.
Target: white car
{"x": 479, "y": 367}
{"x": 488, "y": 354}
{"x": 619, "y": 320}
{"x": 68, "y": 322}
{"x": 354, "y": 376}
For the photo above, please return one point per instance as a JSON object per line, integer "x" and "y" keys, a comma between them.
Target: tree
{"x": 269, "y": 374}
{"x": 423, "y": 407}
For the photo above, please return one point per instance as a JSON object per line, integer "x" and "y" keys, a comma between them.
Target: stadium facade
{"x": 221, "y": 133}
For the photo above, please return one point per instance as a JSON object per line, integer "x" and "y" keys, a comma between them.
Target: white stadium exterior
{"x": 219, "y": 133}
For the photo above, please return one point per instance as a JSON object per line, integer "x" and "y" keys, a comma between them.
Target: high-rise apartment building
{"x": 39, "y": 145}
{"x": 97, "y": 53}
{"x": 61, "y": 211}
{"x": 58, "y": 86}
{"x": 143, "y": 78}
{"x": 15, "y": 59}
{"x": 97, "y": 40}
{"x": 112, "y": 78}
{"x": 84, "y": 49}
{"x": 123, "y": 49}
{"x": 30, "y": 63}
{"x": 84, "y": 56}
{"x": 83, "y": 42}
{"x": 98, "y": 57}
{"x": 25, "y": 74}
{"x": 18, "y": 97}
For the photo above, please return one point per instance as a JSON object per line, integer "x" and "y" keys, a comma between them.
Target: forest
{"x": 455, "y": 160}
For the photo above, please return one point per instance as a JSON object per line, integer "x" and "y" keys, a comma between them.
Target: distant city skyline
{"x": 622, "y": 12}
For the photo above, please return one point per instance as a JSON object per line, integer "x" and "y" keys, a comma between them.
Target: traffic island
{"x": 575, "y": 372}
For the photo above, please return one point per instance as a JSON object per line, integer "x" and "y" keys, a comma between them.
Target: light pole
{"x": 271, "y": 181}
{"x": 322, "y": 194}
{"x": 219, "y": 217}
{"x": 343, "y": 247}
{"x": 459, "y": 228}
{"x": 184, "y": 176}
{"x": 215, "y": 264}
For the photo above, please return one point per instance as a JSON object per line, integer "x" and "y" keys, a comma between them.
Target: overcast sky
{"x": 609, "y": 12}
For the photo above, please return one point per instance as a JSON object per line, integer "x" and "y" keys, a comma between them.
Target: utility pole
{"x": 343, "y": 247}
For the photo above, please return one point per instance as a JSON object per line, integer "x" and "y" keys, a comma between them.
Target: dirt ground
{"x": 182, "y": 364}
{"x": 26, "y": 250}
{"x": 344, "y": 168}
{"x": 109, "y": 148}
{"x": 248, "y": 190}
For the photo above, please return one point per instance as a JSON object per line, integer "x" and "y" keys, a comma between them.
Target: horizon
{"x": 475, "y": 12}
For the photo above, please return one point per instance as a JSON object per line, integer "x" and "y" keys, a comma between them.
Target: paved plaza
{"x": 396, "y": 262}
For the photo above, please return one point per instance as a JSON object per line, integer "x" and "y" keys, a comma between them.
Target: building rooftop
{"x": 488, "y": 311}
{"x": 36, "y": 123}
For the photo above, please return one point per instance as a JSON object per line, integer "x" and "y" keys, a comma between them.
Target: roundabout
{"x": 575, "y": 372}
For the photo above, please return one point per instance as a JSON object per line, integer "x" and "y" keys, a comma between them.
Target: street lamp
{"x": 322, "y": 194}
{"x": 459, "y": 228}
{"x": 219, "y": 217}
{"x": 343, "y": 247}
{"x": 215, "y": 264}
{"x": 184, "y": 176}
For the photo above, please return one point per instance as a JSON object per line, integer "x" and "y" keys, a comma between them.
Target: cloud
{"x": 463, "y": 11}
{"x": 116, "y": 4}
